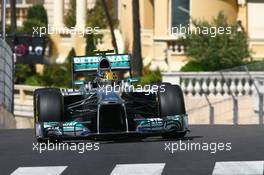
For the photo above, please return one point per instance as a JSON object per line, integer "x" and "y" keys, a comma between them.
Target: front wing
{"x": 144, "y": 127}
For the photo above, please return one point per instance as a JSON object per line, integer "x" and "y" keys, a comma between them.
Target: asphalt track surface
{"x": 247, "y": 143}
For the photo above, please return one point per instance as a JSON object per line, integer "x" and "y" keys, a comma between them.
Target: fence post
{"x": 211, "y": 113}
{"x": 260, "y": 108}
{"x": 211, "y": 110}
{"x": 235, "y": 111}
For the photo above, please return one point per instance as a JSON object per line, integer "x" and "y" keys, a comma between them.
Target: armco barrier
{"x": 6, "y": 86}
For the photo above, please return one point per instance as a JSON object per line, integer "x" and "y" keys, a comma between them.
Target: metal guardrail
{"x": 6, "y": 76}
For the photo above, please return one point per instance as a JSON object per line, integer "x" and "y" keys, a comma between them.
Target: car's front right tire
{"x": 171, "y": 103}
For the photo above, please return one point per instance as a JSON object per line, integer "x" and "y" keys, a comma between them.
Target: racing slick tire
{"x": 171, "y": 101}
{"x": 48, "y": 105}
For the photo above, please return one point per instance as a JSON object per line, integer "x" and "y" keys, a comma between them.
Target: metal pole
{"x": 260, "y": 108}
{"x": 211, "y": 113}
{"x": 260, "y": 96}
{"x": 13, "y": 16}
{"x": 3, "y": 15}
{"x": 211, "y": 110}
{"x": 13, "y": 81}
{"x": 235, "y": 103}
{"x": 235, "y": 111}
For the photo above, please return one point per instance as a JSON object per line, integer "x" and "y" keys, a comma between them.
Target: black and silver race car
{"x": 106, "y": 107}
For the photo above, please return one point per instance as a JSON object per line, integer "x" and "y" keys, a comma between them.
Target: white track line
{"x": 138, "y": 169}
{"x": 239, "y": 168}
{"x": 45, "y": 170}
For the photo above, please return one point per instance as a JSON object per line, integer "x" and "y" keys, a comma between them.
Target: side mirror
{"x": 133, "y": 79}
{"x": 79, "y": 82}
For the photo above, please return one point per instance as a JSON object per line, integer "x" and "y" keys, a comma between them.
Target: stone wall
{"x": 7, "y": 120}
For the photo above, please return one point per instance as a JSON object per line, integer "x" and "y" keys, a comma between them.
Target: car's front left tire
{"x": 48, "y": 105}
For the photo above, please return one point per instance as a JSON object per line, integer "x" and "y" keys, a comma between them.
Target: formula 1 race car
{"x": 108, "y": 108}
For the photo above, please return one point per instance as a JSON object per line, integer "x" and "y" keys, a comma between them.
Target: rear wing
{"x": 91, "y": 63}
